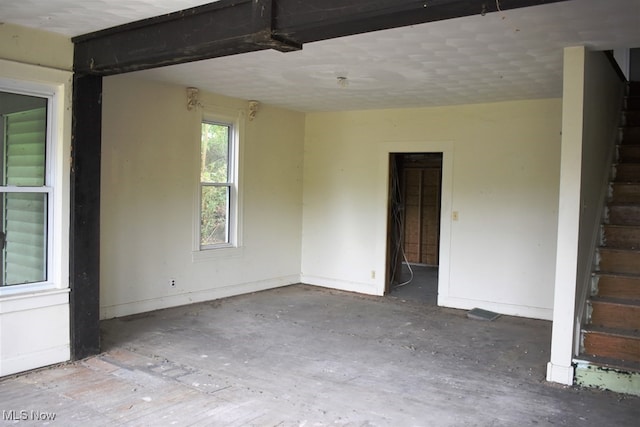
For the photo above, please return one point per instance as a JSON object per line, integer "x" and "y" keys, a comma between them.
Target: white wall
{"x": 501, "y": 174}
{"x": 592, "y": 97}
{"x": 603, "y": 95}
{"x": 34, "y": 320}
{"x": 150, "y": 162}
{"x": 36, "y": 47}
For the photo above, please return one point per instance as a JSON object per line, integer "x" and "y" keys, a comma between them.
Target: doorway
{"x": 415, "y": 192}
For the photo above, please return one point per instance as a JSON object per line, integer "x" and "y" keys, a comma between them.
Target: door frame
{"x": 403, "y": 174}
{"x": 446, "y": 206}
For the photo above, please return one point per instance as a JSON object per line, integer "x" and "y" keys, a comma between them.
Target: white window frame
{"x": 53, "y": 258}
{"x": 235, "y": 121}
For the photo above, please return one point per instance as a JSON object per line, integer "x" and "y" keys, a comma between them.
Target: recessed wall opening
{"x": 413, "y": 242}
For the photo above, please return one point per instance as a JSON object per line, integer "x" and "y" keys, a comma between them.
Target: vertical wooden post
{"x": 84, "y": 269}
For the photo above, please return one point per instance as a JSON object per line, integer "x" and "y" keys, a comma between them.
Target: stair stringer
{"x": 583, "y": 307}
{"x": 618, "y": 375}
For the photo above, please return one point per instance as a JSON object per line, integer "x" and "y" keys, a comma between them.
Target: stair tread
{"x": 626, "y": 181}
{"x": 610, "y": 273}
{"x": 606, "y": 249}
{"x": 624, "y": 204}
{"x": 622, "y": 226}
{"x": 631, "y": 299}
{"x": 614, "y": 300}
{"x": 616, "y": 274}
{"x": 622, "y": 365}
{"x": 622, "y": 333}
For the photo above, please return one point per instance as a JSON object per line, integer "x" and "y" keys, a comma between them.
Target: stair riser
{"x": 619, "y": 316}
{"x": 627, "y": 172}
{"x": 604, "y": 378}
{"x": 624, "y": 215}
{"x": 631, "y": 135}
{"x": 621, "y": 237}
{"x": 631, "y": 118}
{"x": 619, "y": 287}
{"x": 615, "y": 261}
{"x": 625, "y": 193}
{"x": 632, "y": 103}
{"x": 629, "y": 154}
{"x": 603, "y": 345}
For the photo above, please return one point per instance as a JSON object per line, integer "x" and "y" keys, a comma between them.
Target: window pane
{"x": 214, "y": 215}
{"x": 24, "y": 226}
{"x": 24, "y": 147}
{"x": 214, "y": 153}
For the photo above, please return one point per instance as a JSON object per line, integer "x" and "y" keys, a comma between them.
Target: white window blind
{"x": 25, "y": 198}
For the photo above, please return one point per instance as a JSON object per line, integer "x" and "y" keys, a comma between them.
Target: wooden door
{"x": 422, "y": 214}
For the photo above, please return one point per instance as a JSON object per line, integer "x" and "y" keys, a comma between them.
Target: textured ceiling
{"x": 75, "y": 17}
{"x": 502, "y": 56}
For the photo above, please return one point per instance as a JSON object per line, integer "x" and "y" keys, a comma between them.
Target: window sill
{"x": 29, "y": 289}
{"x": 217, "y": 253}
{"x": 33, "y": 299}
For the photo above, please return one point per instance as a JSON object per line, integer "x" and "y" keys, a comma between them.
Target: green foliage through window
{"x": 214, "y": 153}
{"x": 215, "y": 183}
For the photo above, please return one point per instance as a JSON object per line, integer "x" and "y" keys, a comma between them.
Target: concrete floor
{"x": 305, "y": 356}
{"x": 417, "y": 283}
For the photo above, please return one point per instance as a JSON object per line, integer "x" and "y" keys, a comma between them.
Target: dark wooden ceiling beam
{"x": 229, "y": 27}
{"x": 314, "y": 20}
{"x": 218, "y": 29}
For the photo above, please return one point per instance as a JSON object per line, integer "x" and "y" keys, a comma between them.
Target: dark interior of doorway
{"x": 414, "y": 226}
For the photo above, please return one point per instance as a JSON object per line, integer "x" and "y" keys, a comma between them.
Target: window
{"x": 25, "y": 190}
{"x": 218, "y": 185}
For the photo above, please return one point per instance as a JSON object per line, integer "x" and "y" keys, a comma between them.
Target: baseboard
{"x": 506, "y": 309}
{"x": 136, "y": 307}
{"x": 560, "y": 374}
{"x": 34, "y": 360}
{"x": 343, "y": 285}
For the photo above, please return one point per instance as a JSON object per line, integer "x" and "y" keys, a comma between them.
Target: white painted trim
{"x": 55, "y": 85}
{"x": 235, "y": 118}
{"x": 569, "y": 207}
{"x": 143, "y": 306}
{"x": 33, "y": 300}
{"x": 560, "y": 374}
{"x": 506, "y": 309}
{"x": 343, "y": 285}
{"x": 580, "y": 207}
{"x": 594, "y": 243}
{"x": 35, "y": 360}
{"x": 228, "y": 252}
{"x": 42, "y": 308}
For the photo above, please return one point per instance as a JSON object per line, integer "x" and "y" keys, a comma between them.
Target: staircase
{"x": 610, "y": 355}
